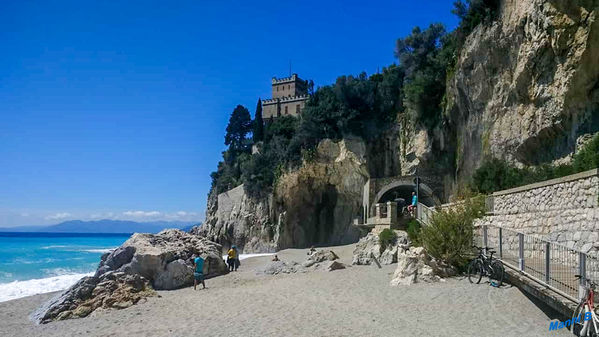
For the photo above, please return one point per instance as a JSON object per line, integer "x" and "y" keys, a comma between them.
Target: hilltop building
{"x": 289, "y": 95}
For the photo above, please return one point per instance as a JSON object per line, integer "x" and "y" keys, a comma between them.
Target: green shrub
{"x": 413, "y": 229}
{"x": 449, "y": 235}
{"x": 496, "y": 174}
{"x": 387, "y": 237}
{"x": 588, "y": 157}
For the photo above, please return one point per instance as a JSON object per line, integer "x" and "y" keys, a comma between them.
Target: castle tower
{"x": 289, "y": 95}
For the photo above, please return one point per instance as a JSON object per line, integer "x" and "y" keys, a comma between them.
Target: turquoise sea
{"x": 33, "y": 263}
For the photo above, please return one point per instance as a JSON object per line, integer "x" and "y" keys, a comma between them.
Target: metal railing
{"x": 424, "y": 213}
{"x": 548, "y": 263}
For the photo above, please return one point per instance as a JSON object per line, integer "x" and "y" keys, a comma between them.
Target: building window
{"x": 289, "y": 86}
{"x": 277, "y": 89}
{"x": 286, "y": 111}
{"x": 297, "y": 109}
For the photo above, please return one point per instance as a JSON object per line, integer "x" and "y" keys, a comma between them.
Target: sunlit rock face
{"x": 526, "y": 87}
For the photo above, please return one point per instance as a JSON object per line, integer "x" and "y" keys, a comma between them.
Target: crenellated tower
{"x": 289, "y": 95}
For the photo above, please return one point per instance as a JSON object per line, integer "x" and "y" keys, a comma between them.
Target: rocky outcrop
{"x": 234, "y": 218}
{"x": 316, "y": 260}
{"x": 369, "y": 248}
{"x": 319, "y": 256}
{"x": 111, "y": 290}
{"x": 317, "y": 203}
{"x": 165, "y": 258}
{"x": 131, "y": 272}
{"x": 526, "y": 87}
{"x": 280, "y": 267}
{"x": 314, "y": 204}
{"x": 415, "y": 265}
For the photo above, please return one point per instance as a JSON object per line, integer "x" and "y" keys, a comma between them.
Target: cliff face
{"x": 527, "y": 86}
{"x": 312, "y": 205}
{"x": 317, "y": 203}
{"x": 233, "y": 218}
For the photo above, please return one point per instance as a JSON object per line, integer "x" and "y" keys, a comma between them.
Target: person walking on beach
{"x": 198, "y": 274}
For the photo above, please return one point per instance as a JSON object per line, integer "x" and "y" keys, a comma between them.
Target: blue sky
{"x": 118, "y": 109}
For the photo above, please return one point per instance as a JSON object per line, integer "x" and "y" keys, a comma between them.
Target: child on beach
{"x": 198, "y": 275}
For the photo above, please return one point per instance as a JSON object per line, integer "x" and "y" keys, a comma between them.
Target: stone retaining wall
{"x": 563, "y": 210}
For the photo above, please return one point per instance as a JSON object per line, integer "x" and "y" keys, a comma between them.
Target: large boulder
{"x": 131, "y": 272}
{"x": 111, "y": 290}
{"x": 415, "y": 265}
{"x": 165, "y": 258}
{"x": 369, "y": 248}
{"x": 317, "y": 256}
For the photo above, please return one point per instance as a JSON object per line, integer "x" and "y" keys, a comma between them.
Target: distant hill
{"x": 103, "y": 226}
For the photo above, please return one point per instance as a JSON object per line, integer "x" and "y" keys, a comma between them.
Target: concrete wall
{"x": 564, "y": 210}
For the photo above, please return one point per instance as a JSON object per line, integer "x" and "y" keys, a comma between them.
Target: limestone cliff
{"x": 315, "y": 204}
{"x": 525, "y": 88}
{"x": 233, "y": 218}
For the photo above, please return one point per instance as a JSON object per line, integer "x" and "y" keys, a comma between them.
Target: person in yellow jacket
{"x": 233, "y": 258}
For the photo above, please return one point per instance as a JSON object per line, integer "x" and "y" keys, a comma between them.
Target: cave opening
{"x": 325, "y": 216}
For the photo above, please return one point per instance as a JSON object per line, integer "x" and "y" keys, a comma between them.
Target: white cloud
{"x": 142, "y": 214}
{"x": 59, "y": 216}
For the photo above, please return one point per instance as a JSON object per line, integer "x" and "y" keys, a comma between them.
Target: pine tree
{"x": 258, "y": 123}
{"x": 240, "y": 124}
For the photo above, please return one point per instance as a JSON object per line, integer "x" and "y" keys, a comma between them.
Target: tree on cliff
{"x": 473, "y": 12}
{"x": 425, "y": 56}
{"x": 258, "y": 133}
{"x": 240, "y": 124}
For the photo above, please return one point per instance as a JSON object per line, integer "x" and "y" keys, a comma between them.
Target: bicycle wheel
{"x": 497, "y": 273}
{"x": 578, "y": 324}
{"x": 475, "y": 271}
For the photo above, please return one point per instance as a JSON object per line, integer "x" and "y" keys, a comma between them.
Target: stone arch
{"x": 405, "y": 187}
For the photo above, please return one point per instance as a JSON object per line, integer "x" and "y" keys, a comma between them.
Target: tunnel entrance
{"x": 398, "y": 189}
{"x": 404, "y": 192}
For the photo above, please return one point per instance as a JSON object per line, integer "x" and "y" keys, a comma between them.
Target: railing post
{"x": 485, "y": 240}
{"x": 582, "y": 267}
{"x": 547, "y": 261}
{"x": 500, "y": 243}
{"x": 521, "y": 251}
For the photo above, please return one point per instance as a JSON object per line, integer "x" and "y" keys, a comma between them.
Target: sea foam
{"x": 101, "y": 251}
{"x": 18, "y": 289}
{"x": 247, "y": 256}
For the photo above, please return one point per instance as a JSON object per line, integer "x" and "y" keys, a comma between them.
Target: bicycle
{"x": 484, "y": 265}
{"x": 580, "y": 325}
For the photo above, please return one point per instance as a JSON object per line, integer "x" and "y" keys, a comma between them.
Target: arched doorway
{"x": 403, "y": 190}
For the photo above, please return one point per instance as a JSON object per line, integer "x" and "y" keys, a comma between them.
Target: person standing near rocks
{"x": 232, "y": 258}
{"x": 198, "y": 273}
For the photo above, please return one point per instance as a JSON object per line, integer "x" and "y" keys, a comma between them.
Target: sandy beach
{"x": 356, "y": 301}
